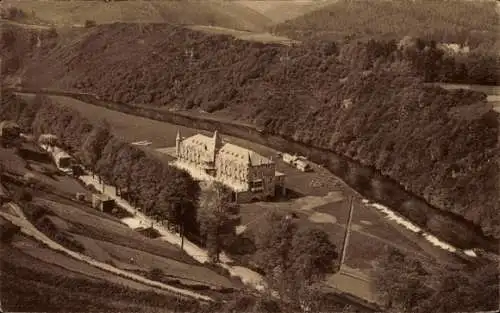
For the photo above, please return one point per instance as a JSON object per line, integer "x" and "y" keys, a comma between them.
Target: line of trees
{"x": 216, "y": 212}
{"x": 162, "y": 191}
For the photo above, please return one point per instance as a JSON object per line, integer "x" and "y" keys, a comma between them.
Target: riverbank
{"x": 369, "y": 183}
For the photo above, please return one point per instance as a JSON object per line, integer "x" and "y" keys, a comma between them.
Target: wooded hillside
{"x": 362, "y": 100}
{"x": 474, "y": 23}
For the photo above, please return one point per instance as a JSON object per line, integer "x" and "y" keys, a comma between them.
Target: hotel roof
{"x": 243, "y": 155}
{"x": 228, "y": 150}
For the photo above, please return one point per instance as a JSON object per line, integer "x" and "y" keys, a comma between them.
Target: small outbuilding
{"x": 9, "y": 129}
{"x": 62, "y": 159}
{"x": 10, "y": 132}
{"x": 102, "y": 203}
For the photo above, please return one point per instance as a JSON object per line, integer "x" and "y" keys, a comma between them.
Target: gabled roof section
{"x": 198, "y": 140}
{"x": 201, "y": 143}
{"x": 242, "y": 155}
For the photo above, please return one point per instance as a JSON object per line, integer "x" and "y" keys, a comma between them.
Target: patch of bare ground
{"x": 245, "y": 35}
{"x": 35, "y": 278}
{"x": 280, "y": 11}
{"x": 94, "y": 224}
{"x": 40, "y": 253}
{"x": 75, "y": 13}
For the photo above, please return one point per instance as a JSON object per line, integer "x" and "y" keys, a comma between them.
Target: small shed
{"x": 9, "y": 130}
{"x": 10, "y": 133}
{"x": 288, "y": 158}
{"x": 102, "y": 203}
{"x": 62, "y": 159}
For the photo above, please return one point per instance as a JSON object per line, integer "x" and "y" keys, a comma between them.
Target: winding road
{"x": 30, "y": 230}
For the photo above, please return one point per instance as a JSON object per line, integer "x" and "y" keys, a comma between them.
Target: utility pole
{"x": 347, "y": 232}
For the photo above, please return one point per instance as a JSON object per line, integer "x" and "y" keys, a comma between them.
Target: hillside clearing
{"x": 280, "y": 11}
{"x": 245, "y": 35}
{"x": 226, "y": 14}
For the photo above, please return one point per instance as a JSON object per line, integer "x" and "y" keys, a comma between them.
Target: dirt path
{"x": 30, "y": 230}
{"x": 247, "y": 276}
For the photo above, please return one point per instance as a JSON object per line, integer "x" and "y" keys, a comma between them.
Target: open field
{"x": 244, "y": 15}
{"x": 492, "y": 92}
{"x": 107, "y": 240}
{"x": 100, "y": 226}
{"x": 35, "y": 278}
{"x": 245, "y": 35}
{"x": 280, "y": 11}
{"x": 134, "y": 128}
{"x": 58, "y": 259}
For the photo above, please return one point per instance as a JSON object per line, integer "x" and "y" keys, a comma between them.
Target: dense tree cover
{"x": 363, "y": 100}
{"x": 293, "y": 257}
{"x": 467, "y": 24}
{"x": 153, "y": 183}
{"x": 463, "y": 22}
{"x": 215, "y": 210}
{"x": 406, "y": 284}
{"x": 16, "y": 43}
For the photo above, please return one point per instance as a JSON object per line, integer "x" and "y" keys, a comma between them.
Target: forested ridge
{"x": 473, "y": 23}
{"x": 364, "y": 100}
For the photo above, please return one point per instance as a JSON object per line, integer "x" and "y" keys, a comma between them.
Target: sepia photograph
{"x": 250, "y": 156}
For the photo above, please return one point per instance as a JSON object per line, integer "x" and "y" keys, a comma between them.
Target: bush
{"x": 155, "y": 274}
{"x": 90, "y": 23}
{"x": 12, "y": 13}
{"x": 7, "y": 231}
{"x": 22, "y": 195}
{"x": 218, "y": 269}
{"x": 52, "y": 32}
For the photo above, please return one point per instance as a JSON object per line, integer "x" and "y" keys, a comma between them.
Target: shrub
{"x": 22, "y": 195}
{"x": 90, "y": 23}
{"x": 155, "y": 274}
{"x": 12, "y": 13}
{"x": 7, "y": 231}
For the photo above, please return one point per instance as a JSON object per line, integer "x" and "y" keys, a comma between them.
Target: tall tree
{"x": 216, "y": 225}
{"x": 179, "y": 196}
{"x": 410, "y": 285}
{"x": 293, "y": 258}
{"x": 400, "y": 281}
{"x": 94, "y": 144}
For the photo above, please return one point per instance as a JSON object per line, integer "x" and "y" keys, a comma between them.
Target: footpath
{"x": 30, "y": 230}
{"x": 247, "y": 276}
